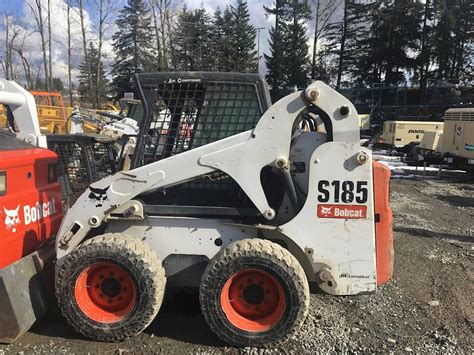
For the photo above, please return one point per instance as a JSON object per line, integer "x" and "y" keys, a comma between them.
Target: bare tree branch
{"x": 38, "y": 16}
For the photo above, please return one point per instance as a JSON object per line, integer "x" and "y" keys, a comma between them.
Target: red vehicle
{"x": 30, "y": 215}
{"x": 30, "y": 198}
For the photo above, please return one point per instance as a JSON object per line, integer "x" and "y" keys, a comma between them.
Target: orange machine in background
{"x": 52, "y": 113}
{"x": 48, "y": 98}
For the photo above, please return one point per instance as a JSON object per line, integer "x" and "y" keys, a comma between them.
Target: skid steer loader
{"x": 119, "y": 246}
{"x": 30, "y": 215}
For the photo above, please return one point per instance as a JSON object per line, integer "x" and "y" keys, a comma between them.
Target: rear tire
{"x": 111, "y": 287}
{"x": 254, "y": 293}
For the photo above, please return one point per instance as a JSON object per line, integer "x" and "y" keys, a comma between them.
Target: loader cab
{"x": 192, "y": 109}
{"x": 30, "y": 199}
{"x": 178, "y": 112}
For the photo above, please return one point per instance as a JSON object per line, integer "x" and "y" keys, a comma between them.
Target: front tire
{"x": 111, "y": 287}
{"x": 254, "y": 293}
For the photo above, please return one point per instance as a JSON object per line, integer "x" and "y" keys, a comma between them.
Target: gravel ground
{"x": 426, "y": 308}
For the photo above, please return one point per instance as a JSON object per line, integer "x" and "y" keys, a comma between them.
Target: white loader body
{"x": 332, "y": 235}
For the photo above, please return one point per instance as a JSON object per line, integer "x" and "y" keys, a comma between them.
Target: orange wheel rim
{"x": 253, "y": 300}
{"x": 105, "y": 292}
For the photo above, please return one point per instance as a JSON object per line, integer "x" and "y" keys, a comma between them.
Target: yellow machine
{"x": 431, "y": 140}
{"x": 53, "y": 116}
{"x": 458, "y": 136}
{"x": 52, "y": 119}
{"x": 452, "y": 146}
{"x": 402, "y": 133}
{"x": 52, "y": 113}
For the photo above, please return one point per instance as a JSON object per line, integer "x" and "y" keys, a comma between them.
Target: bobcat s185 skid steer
{"x": 119, "y": 247}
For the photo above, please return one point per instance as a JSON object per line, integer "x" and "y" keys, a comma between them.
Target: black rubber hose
{"x": 290, "y": 188}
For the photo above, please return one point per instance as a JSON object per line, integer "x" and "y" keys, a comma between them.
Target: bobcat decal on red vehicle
{"x": 31, "y": 214}
{"x": 11, "y": 218}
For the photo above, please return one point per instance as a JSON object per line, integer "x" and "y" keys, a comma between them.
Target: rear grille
{"x": 80, "y": 163}
{"x": 72, "y": 172}
{"x": 453, "y": 116}
{"x": 460, "y": 115}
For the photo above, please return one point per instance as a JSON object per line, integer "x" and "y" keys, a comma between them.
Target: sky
{"x": 20, "y": 9}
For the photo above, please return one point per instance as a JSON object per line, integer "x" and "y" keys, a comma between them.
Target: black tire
{"x": 412, "y": 157}
{"x": 262, "y": 256}
{"x": 142, "y": 270}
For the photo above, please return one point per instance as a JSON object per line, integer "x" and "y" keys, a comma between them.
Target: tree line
{"x": 193, "y": 40}
{"x": 353, "y": 43}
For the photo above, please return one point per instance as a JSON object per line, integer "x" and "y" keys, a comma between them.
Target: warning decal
{"x": 342, "y": 211}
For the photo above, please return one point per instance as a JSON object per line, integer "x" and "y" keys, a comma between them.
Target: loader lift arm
{"x": 23, "y": 107}
{"x": 241, "y": 156}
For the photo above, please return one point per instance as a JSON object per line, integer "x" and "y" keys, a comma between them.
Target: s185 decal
{"x": 346, "y": 191}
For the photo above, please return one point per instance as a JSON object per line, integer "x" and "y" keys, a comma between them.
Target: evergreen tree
{"x": 424, "y": 57}
{"x": 288, "y": 62}
{"x": 296, "y": 60}
{"x": 397, "y": 25}
{"x": 275, "y": 60}
{"x": 453, "y": 44}
{"x": 88, "y": 94}
{"x": 58, "y": 84}
{"x": 221, "y": 40}
{"x": 347, "y": 43}
{"x": 358, "y": 49}
{"x": 243, "y": 56}
{"x": 379, "y": 41}
{"x": 192, "y": 41}
{"x": 133, "y": 45}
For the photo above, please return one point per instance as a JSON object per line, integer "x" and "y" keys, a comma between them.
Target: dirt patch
{"x": 427, "y": 307}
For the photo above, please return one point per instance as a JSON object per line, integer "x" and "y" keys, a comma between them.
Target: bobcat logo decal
{"x": 11, "y": 218}
{"x": 326, "y": 210}
{"x": 98, "y": 196}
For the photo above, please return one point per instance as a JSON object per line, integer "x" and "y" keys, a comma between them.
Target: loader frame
{"x": 242, "y": 157}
